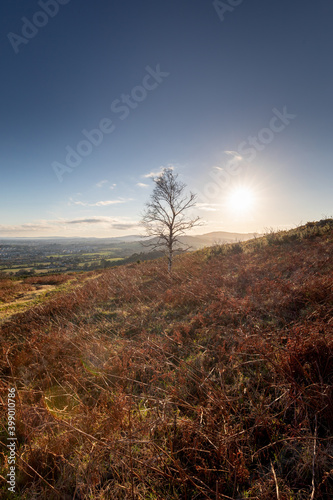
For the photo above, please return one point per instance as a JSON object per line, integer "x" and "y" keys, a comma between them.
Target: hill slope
{"x": 215, "y": 382}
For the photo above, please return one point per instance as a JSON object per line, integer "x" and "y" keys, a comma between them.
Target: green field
{"x": 61, "y": 263}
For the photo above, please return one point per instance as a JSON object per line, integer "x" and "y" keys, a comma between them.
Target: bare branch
{"x": 164, "y": 217}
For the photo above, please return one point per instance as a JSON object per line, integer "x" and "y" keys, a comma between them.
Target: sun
{"x": 240, "y": 199}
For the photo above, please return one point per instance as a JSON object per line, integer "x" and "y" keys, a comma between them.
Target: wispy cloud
{"x": 124, "y": 226}
{"x": 84, "y": 221}
{"x": 108, "y": 202}
{"x": 101, "y": 183}
{"x": 23, "y": 228}
{"x": 72, "y": 202}
{"x": 207, "y": 207}
{"x": 102, "y": 203}
{"x": 142, "y": 185}
{"x": 153, "y": 174}
{"x": 53, "y": 227}
{"x": 235, "y": 154}
{"x": 114, "y": 222}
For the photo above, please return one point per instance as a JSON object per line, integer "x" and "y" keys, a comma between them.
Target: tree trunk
{"x": 170, "y": 260}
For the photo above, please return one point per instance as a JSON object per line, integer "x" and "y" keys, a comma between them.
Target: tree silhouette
{"x": 164, "y": 218}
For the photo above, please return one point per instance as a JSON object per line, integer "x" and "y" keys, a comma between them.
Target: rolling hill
{"x": 215, "y": 382}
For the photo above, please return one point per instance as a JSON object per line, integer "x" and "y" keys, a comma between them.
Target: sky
{"x": 98, "y": 97}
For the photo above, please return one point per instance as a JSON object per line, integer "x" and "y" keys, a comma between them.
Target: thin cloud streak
{"x": 102, "y": 203}
{"x": 207, "y": 207}
{"x": 54, "y": 226}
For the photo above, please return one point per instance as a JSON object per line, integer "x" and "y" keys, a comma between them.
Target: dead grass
{"x": 213, "y": 383}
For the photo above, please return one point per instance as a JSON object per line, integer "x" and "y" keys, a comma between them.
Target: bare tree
{"x": 164, "y": 217}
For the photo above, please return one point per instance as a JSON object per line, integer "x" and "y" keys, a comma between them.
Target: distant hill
{"x": 215, "y": 238}
{"x": 197, "y": 240}
{"x": 126, "y": 245}
{"x": 200, "y": 240}
{"x": 226, "y": 236}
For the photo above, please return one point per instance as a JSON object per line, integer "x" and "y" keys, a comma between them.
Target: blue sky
{"x": 231, "y": 96}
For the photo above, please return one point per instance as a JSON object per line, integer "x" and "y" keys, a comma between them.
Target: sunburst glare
{"x": 241, "y": 199}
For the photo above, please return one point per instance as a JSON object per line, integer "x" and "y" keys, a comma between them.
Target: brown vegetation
{"x": 213, "y": 383}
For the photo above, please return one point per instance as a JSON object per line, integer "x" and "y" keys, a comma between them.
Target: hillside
{"x": 212, "y": 383}
{"x": 218, "y": 237}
